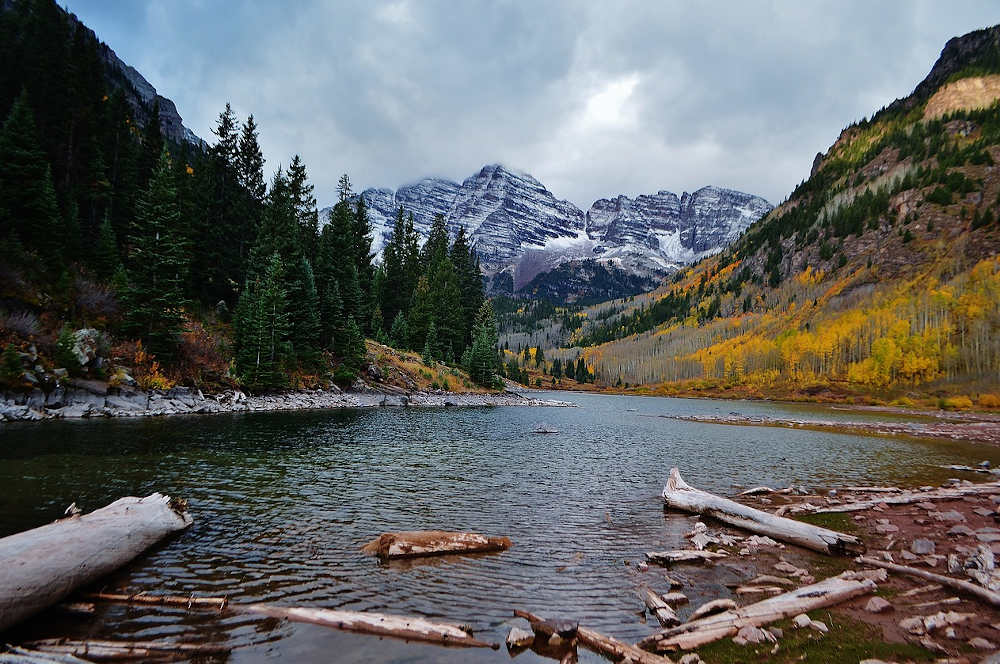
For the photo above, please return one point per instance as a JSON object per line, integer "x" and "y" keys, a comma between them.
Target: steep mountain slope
{"x": 523, "y": 231}
{"x": 879, "y": 274}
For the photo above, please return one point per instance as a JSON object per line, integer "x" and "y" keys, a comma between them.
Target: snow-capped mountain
{"x": 521, "y": 229}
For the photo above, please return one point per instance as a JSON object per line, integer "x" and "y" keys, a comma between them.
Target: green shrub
{"x": 941, "y": 195}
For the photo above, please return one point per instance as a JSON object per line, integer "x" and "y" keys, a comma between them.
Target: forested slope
{"x": 879, "y": 274}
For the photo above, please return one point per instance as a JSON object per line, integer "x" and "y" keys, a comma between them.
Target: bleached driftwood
{"x": 43, "y": 565}
{"x": 683, "y": 556}
{"x": 679, "y": 495}
{"x": 694, "y": 634}
{"x": 978, "y": 592}
{"x": 417, "y": 543}
{"x": 101, "y": 649}
{"x": 658, "y": 607}
{"x": 908, "y": 497}
{"x": 380, "y": 624}
{"x": 403, "y": 627}
{"x": 611, "y": 648}
{"x": 714, "y": 606}
{"x": 20, "y": 655}
{"x": 161, "y": 600}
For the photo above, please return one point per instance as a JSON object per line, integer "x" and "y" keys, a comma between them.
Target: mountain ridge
{"x": 522, "y": 230}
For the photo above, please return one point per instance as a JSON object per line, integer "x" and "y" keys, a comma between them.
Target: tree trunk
{"x": 680, "y": 495}
{"x": 659, "y": 608}
{"x": 907, "y": 497}
{"x": 44, "y": 565}
{"x": 614, "y": 650}
{"x": 697, "y": 633}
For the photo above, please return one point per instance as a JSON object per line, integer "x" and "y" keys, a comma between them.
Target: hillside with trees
{"x": 877, "y": 279}
{"x": 181, "y": 262}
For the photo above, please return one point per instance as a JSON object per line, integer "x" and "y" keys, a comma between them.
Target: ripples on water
{"x": 283, "y": 501}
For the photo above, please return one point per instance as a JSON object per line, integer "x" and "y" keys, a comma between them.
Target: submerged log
{"x": 611, "y": 648}
{"x": 44, "y": 565}
{"x": 696, "y": 633}
{"x": 380, "y": 624}
{"x": 101, "y": 649}
{"x": 417, "y": 543}
{"x": 679, "y": 495}
{"x": 978, "y": 592}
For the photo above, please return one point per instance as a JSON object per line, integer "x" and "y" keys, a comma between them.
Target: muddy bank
{"x": 94, "y": 399}
{"x": 944, "y": 426}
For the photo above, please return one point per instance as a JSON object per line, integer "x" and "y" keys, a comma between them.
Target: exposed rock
{"x": 802, "y": 620}
{"x": 86, "y": 344}
{"x": 979, "y": 643}
{"x": 877, "y": 605}
{"x": 751, "y": 634}
{"x": 922, "y": 547}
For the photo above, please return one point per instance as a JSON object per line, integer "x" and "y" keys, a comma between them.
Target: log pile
{"x": 697, "y": 633}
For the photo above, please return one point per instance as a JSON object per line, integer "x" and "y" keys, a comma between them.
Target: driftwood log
{"x": 658, "y": 607}
{"x": 418, "y": 543}
{"x": 697, "y": 633}
{"x": 613, "y": 649}
{"x": 908, "y": 497}
{"x": 979, "y": 592}
{"x": 42, "y": 566}
{"x": 379, "y": 624}
{"x": 679, "y": 495}
{"x": 101, "y": 649}
{"x": 683, "y": 556}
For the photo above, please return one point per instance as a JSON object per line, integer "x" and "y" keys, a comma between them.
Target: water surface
{"x": 283, "y": 501}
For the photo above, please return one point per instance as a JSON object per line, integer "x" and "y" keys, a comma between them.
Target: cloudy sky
{"x": 592, "y": 98}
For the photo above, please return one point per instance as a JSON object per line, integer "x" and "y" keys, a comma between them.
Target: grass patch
{"x": 848, "y": 642}
{"x": 839, "y": 521}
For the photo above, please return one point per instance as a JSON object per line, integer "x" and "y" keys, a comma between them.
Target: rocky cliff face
{"x": 523, "y": 230}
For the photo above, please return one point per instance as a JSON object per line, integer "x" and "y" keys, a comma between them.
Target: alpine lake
{"x": 283, "y": 502}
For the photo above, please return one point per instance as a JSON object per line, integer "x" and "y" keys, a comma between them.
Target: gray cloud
{"x": 593, "y": 98}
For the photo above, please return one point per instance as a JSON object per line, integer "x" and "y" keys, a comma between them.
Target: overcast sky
{"x": 592, "y": 98}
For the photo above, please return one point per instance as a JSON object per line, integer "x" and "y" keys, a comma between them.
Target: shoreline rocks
{"x": 86, "y": 401}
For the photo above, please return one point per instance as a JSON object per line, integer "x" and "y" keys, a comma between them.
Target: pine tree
{"x": 250, "y": 162}
{"x": 421, "y": 314}
{"x": 262, "y": 327}
{"x": 152, "y": 144}
{"x": 435, "y": 249}
{"x": 363, "y": 258}
{"x": 304, "y": 203}
{"x": 399, "y": 336}
{"x": 157, "y": 267}
{"x": 303, "y": 310}
{"x": 431, "y": 352}
{"x": 28, "y": 207}
{"x": 395, "y": 297}
{"x": 539, "y": 357}
{"x": 106, "y": 258}
{"x": 557, "y": 368}
{"x": 483, "y": 360}
{"x": 354, "y": 347}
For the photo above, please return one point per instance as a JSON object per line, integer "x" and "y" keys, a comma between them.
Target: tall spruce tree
{"x": 262, "y": 328}
{"x": 304, "y": 202}
{"x": 157, "y": 266}
{"x": 28, "y": 207}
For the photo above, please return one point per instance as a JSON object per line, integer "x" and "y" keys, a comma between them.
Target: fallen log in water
{"x": 417, "y": 543}
{"x": 611, "y": 648}
{"x": 679, "y": 495}
{"x": 694, "y": 634}
{"x": 100, "y": 649}
{"x": 44, "y": 565}
{"x": 379, "y": 624}
{"x": 18, "y": 655}
{"x": 978, "y": 592}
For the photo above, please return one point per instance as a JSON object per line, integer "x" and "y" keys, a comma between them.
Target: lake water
{"x": 282, "y": 503}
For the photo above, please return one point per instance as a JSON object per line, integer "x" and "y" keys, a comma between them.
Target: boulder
{"x": 86, "y": 345}
{"x": 877, "y": 605}
{"x": 922, "y": 547}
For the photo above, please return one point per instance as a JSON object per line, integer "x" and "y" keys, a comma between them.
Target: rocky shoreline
{"x": 92, "y": 399}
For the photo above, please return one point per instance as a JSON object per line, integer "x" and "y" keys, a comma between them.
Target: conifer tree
{"x": 262, "y": 328}
{"x": 421, "y": 314}
{"x": 354, "y": 346}
{"x": 363, "y": 259}
{"x": 106, "y": 259}
{"x": 28, "y": 207}
{"x": 304, "y": 203}
{"x": 539, "y": 357}
{"x": 303, "y": 312}
{"x": 557, "y": 368}
{"x": 157, "y": 267}
{"x": 399, "y": 336}
{"x": 152, "y": 144}
{"x": 431, "y": 352}
{"x": 250, "y": 162}
{"x": 395, "y": 296}
{"x": 483, "y": 361}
